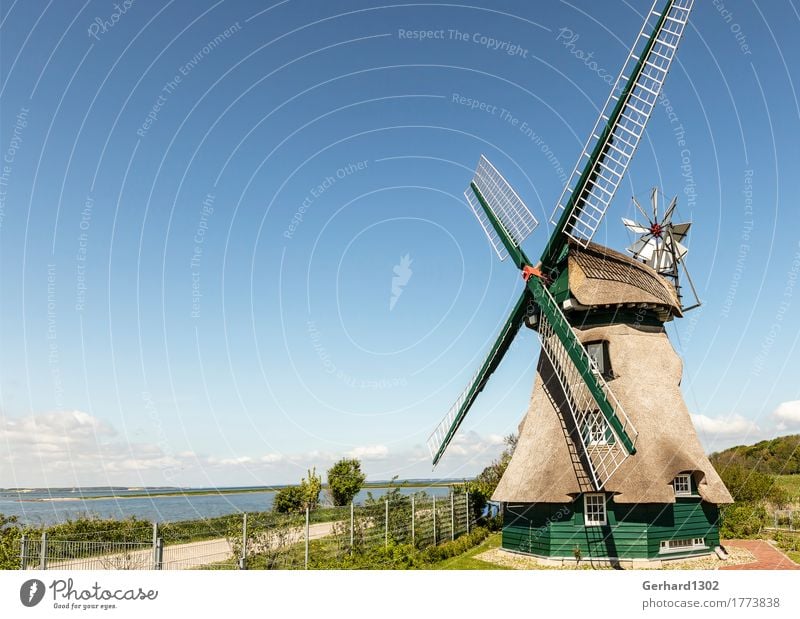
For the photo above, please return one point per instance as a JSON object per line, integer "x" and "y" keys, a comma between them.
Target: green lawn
{"x": 790, "y": 483}
{"x": 467, "y": 561}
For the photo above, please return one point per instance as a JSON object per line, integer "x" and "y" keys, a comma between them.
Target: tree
{"x": 289, "y": 500}
{"x": 751, "y": 486}
{"x": 345, "y": 480}
{"x": 310, "y": 488}
{"x": 483, "y": 486}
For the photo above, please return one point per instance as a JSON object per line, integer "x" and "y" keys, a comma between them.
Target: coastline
{"x": 223, "y": 491}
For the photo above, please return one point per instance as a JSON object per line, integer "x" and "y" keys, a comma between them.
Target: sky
{"x": 234, "y": 245}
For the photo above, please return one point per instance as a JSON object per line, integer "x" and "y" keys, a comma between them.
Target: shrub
{"x": 742, "y": 520}
{"x": 289, "y": 500}
{"x": 310, "y": 487}
{"x": 10, "y": 535}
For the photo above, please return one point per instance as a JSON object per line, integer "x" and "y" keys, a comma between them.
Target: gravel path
{"x": 176, "y": 556}
{"x": 498, "y": 556}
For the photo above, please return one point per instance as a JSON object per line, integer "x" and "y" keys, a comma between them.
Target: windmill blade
{"x": 641, "y": 210}
{"x": 680, "y": 250}
{"x": 502, "y": 214}
{"x": 670, "y": 210}
{"x": 634, "y": 227}
{"x": 585, "y": 390}
{"x": 679, "y": 231}
{"x": 440, "y": 438}
{"x": 663, "y": 259}
{"x": 644, "y": 248}
{"x": 616, "y": 135}
{"x": 654, "y": 202}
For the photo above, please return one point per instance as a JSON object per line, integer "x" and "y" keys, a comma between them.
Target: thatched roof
{"x": 647, "y": 372}
{"x": 602, "y": 277}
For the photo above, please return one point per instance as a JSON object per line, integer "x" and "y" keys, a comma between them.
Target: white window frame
{"x": 596, "y": 428}
{"x": 684, "y": 479}
{"x": 682, "y": 545}
{"x": 591, "y": 498}
{"x": 599, "y": 360}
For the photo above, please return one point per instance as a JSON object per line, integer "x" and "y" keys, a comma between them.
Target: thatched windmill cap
{"x": 602, "y": 277}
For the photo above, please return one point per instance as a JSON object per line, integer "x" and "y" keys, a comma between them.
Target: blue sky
{"x": 204, "y": 203}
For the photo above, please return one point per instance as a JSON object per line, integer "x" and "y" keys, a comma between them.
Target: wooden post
{"x": 452, "y": 517}
{"x": 413, "y": 532}
{"x": 243, "y": 560}
{"x": 23, "y": 553}
{"x": 466, "y": 508}
{"x": 159, "y": 554}
{"x": 306, "y": 559}
{"x": 434, "y": 520}
{"x": 352, "y": 526}
{"x": 43, "y": 557}
{"x": 155, "y": 545}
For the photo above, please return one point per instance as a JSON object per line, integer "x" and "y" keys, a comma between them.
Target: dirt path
{"x": 767, "y": 556}
{"x": 176, "y": 556}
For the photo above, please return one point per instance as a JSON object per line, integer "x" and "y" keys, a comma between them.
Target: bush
{"x": 345, "y": 480}
{"x": 742, "y": 520}
{"x": 457, "y": 546}
{"x": 10, "y": 534}
{"x": 289, "y": 500}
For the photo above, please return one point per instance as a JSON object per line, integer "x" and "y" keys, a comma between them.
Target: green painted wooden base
{"x": 631, "y": 531}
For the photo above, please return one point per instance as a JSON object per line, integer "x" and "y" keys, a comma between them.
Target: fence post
{"x": 434, "y": 520}
{"x": 43, "y": 556}
{"x": 466, "y": 509}
{"x": 386, "y": 524}
{"x": 413, "y": 531}
{"x": 352, "y": 526}
{"x": 159, "y": 554}
{"x": 23, "y": 553}
{"x": 243, "y": 560}
{"x": 306, "y": 559}
{"x": 452, "y": 517}
{"x": 155, "y": 545}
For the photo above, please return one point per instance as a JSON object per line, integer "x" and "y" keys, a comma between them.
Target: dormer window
{"x": 682, "y": 484}
{"x": 598, "y": 353}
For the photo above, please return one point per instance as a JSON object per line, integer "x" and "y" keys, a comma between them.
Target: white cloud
{"x": 369, "y": 452}
{"x": 723, "y": 431}
{"x": 74, "y": 448}
{"x": 787, "y": 415}
{"x": 732, "y": 425}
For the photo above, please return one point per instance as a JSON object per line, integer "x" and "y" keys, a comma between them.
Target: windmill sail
{"x": 606, "y": 434}
{"x": 440, "y": 438}
{"x": 490, "y": 191}
{"x": 616, "y": 135}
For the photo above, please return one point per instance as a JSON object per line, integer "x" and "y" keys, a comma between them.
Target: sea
{"x": 37, "y": 506}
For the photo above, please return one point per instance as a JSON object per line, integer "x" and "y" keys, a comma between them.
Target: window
{"x": 682, "y": 484}
{"x": 598, "y": 353}
{"x": 678, "y": 545}
{"x": 594, "y": 509}
{"x": 596, "y": 430}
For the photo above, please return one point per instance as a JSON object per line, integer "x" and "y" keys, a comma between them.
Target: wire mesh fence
{"x": 786, "y": 519}
{"x": 323, "y": 538}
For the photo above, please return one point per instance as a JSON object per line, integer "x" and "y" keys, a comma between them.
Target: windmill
{"x": 660, "y": 243}
{"x": 607, "y": 459}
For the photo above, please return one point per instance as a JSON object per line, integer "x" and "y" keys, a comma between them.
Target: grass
{"x": 790, "y": 483}
{"x": 467, "y": 561}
